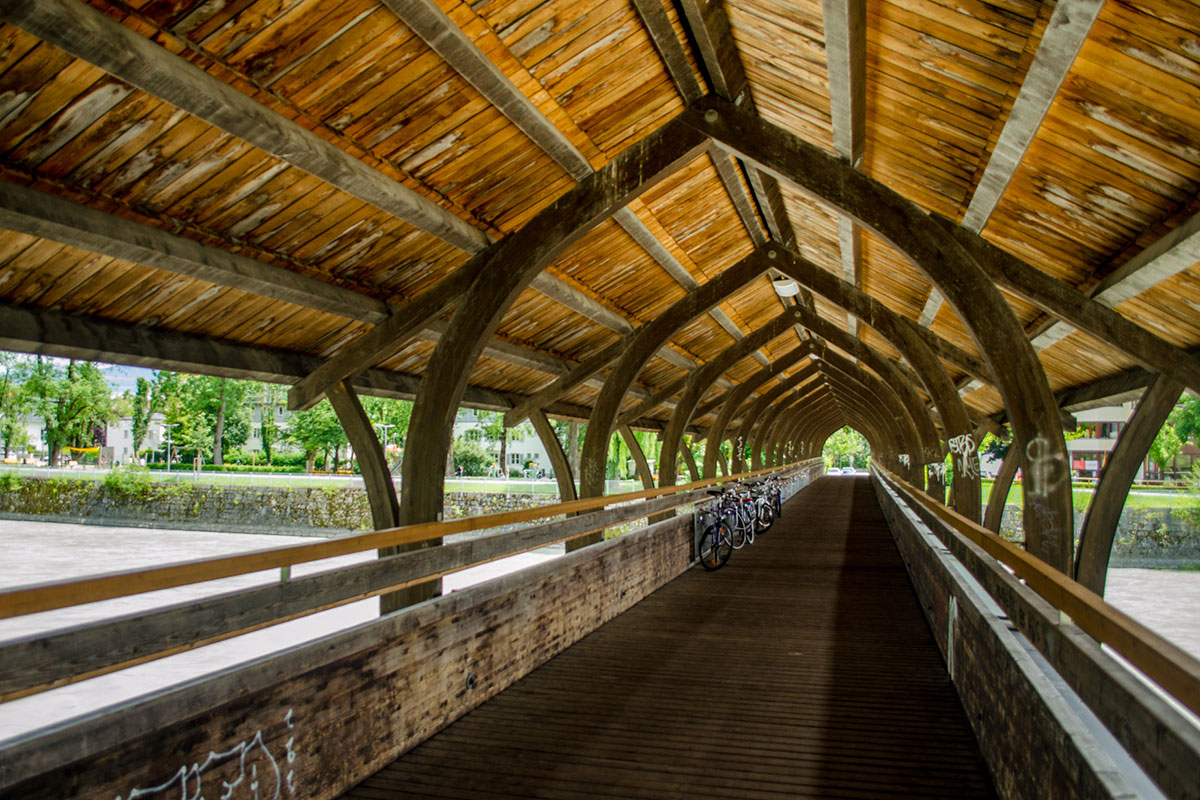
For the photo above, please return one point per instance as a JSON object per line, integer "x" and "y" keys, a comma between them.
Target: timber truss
{"x": 178, "y": 197}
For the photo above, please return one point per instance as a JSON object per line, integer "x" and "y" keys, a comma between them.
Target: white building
{"x": 118, "y": 436}
{"x": 521, "y": 452}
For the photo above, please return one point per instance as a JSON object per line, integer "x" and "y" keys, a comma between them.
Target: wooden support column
{"x": 739, "y": 393}
{"x": 573, "y": 450}
{"x": 1104, "y": 513}
{"x": 381, "y": 492}
{"x": 766, "y": 410}
{"x": 701, "y": 380}
{"x": 558, "y": 459}
{"x": 639, "y": 457}
{"x": 722, "y": 462}
{"x": 1001, "y": 487}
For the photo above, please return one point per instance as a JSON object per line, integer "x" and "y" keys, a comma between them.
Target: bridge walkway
{"x": 804, "y": 668}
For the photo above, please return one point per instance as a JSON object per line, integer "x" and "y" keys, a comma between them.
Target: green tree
{"x": 141, "y": 413}
{"x": 1186, "y": 418}
{"x": 1165, "y": 446}
{"x": 317, "y": 430}
{"x": 74, "y": 403}
{"x": 471, "y": 456}
{"x": 14, "y": 403}
{"x": 846, "y": 448}
{"x": 387, "y": 411}
{"x": 494, "y": 431}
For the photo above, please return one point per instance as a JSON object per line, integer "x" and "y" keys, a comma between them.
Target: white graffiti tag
{"x": 1045, "y": 470}
{"x": 968, "y": 461}
{"x": 258, "y": 775}
{"x": 905, "y": 460}
{"x": 937, "y": 471}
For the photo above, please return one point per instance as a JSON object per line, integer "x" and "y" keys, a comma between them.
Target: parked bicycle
{"x": 716, "y": 539}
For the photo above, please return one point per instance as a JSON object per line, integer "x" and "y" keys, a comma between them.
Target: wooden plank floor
{"x": 804, "y": 668}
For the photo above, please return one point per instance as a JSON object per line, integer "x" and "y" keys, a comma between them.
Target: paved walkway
{"x": 802, "y": 669}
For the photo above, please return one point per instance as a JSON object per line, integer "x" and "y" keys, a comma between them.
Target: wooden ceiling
{"x": 1070, "y": 143}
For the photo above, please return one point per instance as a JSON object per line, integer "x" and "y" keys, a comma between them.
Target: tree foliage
{"x": 75, "y": 402}
{"x": 317, "y": 430}
{"x": 1185, "y": 419}
{"x": 846, "y": 448}
{"x": 14, "y": 403}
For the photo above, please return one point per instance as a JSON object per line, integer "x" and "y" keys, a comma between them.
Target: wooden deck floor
{"x": 802, "y": 669}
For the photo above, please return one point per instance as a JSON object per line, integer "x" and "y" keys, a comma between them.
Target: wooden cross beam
{"x": 1071, "y": 305}
{"x": 1165, "y": 258}
{"x": 435, "y": 27}
{"x": 1065, "y": 34}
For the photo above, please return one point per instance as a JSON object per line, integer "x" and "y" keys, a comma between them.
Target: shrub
{"x": 10, "y": 482}
{"x": 128, "y": 481}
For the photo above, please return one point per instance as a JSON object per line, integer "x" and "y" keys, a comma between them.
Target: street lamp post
{"x": 387, "y": 427}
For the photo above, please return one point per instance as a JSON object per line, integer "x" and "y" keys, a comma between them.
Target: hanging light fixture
{"x": 786, "y": 287}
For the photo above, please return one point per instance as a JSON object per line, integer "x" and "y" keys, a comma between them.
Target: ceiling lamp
{"x": 786, "y": 287}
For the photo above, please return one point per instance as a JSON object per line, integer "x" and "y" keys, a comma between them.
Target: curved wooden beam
{"x": 502, "y": 272}
{"x": 915, "y": 347}
{"x": 762, "y": 412}
{"x": 1100, "y": 524}
{"x": 558, "y": 458}
{"x": 929, "y": 448}
{"x": 1001, "y": 487}
{"x": 944, "y": 262}
{"x": 731, "y": 402}
{"x": 638, "y": 347}
{"x": 639, "y": 457}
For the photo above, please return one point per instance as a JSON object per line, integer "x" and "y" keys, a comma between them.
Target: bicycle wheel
{"x": 715, "y": 546}
{"x": 737, "y": 532}
{"x": 766, "y": 517}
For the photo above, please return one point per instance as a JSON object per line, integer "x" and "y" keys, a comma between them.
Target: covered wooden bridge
{"x": 750, "y": 223}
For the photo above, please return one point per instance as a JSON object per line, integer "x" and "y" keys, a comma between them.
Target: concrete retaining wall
{"x": 1147, "y": 537}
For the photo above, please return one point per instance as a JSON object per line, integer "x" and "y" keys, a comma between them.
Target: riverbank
{"x": 296, "y": 511}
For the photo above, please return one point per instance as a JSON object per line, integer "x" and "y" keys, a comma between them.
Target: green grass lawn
{"x": 1139, "y": 497}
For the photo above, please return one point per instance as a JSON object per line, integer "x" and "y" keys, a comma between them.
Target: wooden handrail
{"x": 1175, "y": 670}
{"x": 48, "y": 596}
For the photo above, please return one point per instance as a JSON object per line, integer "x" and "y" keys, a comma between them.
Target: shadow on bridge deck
{"x": 804, "y": 668}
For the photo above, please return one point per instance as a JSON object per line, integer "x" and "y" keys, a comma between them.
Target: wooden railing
{"x": 36, "y": 663}
{"x": 1067, "y": 623}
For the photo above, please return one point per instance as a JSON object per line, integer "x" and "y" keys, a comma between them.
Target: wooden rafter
{"x": 436, "y": 28}
{"x": 1074, "y": 307}
{"x": 1165, "y": 258}
{"x": 1067, "y": 31}
{"x": 88, "y": 34}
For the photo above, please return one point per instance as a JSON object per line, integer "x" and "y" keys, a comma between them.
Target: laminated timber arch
{"x": 639, "y": 347}
{"x": 229, "y": 96}
{"x": 959, "y": 279}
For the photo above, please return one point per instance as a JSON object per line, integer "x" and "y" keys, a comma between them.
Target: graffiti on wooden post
{"x": 968, "y": 460}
